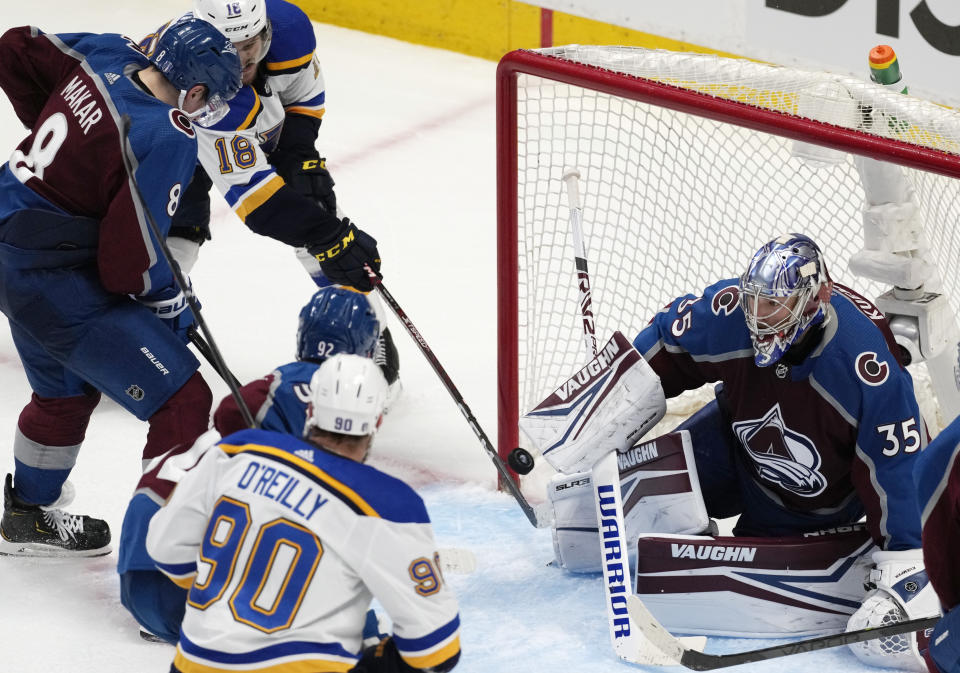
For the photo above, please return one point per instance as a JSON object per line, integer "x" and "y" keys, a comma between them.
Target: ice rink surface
{"x": 409, "y": 136}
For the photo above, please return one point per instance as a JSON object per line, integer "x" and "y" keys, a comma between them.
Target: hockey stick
{"x": 629, "y": 643}
{"x": 455, "y": 394}
{"x": 571, "y": 178}
{"x": 679, "y": 653}
{"x": 213, "y": 352}
{"x": 197, "y": 340}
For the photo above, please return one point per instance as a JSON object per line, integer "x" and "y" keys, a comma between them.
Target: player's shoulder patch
{"x": 181, "y": 122}
{"x": 293, "y": 41}
{"x": 724, "y": 297}
{"x": 871, "y": 369}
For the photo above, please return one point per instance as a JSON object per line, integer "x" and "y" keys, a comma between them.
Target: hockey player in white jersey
{"x": 262, "y": 156}
{"x": 284, "y": 542}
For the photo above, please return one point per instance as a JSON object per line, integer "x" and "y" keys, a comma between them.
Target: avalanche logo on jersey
{"x": 872, "y": 371}
{"x": 726, "y": 301}
{"x": 782, "y": 456}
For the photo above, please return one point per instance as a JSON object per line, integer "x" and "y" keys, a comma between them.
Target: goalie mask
{"x": 780, "y": 294}
{"x": 347, "y": 395}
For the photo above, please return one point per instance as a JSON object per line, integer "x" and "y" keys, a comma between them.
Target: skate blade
{"x": 37, "y": 550}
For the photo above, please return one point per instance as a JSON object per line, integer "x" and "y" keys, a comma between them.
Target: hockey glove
{"x": 170, "y": 305}
{"x": 898, "y": 589}
{"x": 343, "y": 257}
{"x": 385, "y": 658}
{"x": 309, "y": 177}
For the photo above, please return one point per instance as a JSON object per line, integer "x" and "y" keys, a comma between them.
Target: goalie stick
{"x": 571, "y": 178}
{"x": 677, "y": 651}
{"x": 213, "y": 352}
{"x": 628, "y": 642}
{"x": 414, "y": 333}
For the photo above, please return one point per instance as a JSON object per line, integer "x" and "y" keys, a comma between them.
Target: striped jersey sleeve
{"x": 292, "y": 67}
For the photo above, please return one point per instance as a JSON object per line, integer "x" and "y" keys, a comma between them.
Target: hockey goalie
{"x": 810, "y": 443}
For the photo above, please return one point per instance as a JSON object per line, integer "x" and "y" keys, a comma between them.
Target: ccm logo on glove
{"x": 336, "y": 248}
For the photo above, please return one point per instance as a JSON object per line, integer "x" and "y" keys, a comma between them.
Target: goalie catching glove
{"x": 899, "y": 589}
{"x": 344, "y": 256}
{"x": 607, "y": 406}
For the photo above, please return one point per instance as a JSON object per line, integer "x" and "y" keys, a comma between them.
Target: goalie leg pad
{"x": 659, "y": 488}
{"x": 753, "y": 587}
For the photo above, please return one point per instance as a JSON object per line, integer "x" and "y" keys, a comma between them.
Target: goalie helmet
{"x": 239, "y": 20}
{"x": 190, "y": 52}
{"x": 780, "y": 295}
{"x": 337, "y": 320}
{"x": 347, "y": 395}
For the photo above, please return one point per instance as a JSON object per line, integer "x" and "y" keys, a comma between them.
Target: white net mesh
{"x": 673, "y": 202}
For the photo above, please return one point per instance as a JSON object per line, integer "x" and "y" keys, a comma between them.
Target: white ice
{"x": 409, "y": 133}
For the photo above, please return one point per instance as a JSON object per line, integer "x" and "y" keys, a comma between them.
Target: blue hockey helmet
{"x": 780, "y": 294}
{"x": 337, "y": 320}
{"x": 191, "y": 51}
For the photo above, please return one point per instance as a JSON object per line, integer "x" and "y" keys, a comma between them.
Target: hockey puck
{"x": 520, "y": 461}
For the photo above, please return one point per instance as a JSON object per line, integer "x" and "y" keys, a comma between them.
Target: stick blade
{"x": 660, "y": 647}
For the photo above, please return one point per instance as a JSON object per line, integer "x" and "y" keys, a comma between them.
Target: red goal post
{"x": 688, "y": 162}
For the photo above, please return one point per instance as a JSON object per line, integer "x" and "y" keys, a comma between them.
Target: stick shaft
{"x": 217, "y": 359}
{"x": 571, "y": 179}
{"x": 441, "y": 373}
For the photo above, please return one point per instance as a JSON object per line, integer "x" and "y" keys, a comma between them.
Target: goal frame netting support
{"x": 648, "y": 91}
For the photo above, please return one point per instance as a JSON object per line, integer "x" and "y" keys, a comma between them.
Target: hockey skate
{"x": 35, "y": 530}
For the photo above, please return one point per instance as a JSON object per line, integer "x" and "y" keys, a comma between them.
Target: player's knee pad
{"x": 900, "y": 590}
{"x": 753, "y": 587}
{"x": 660, "y": 495}
{"x": 181, "y": 419}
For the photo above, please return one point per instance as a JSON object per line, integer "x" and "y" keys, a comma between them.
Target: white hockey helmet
{"x": 239, "y": 20}
{"x": 347, "y": 395}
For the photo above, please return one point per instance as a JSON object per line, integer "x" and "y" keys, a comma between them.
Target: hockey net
{"x": 688, "y": 163}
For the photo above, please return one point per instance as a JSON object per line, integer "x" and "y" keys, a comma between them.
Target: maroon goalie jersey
{"x": 842, "y": 423}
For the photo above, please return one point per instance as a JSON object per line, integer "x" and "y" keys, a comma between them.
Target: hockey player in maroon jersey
{"x": 938, "y": 489}
{"x": 92, "y": 303}
{"x": 814, "y": 426}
